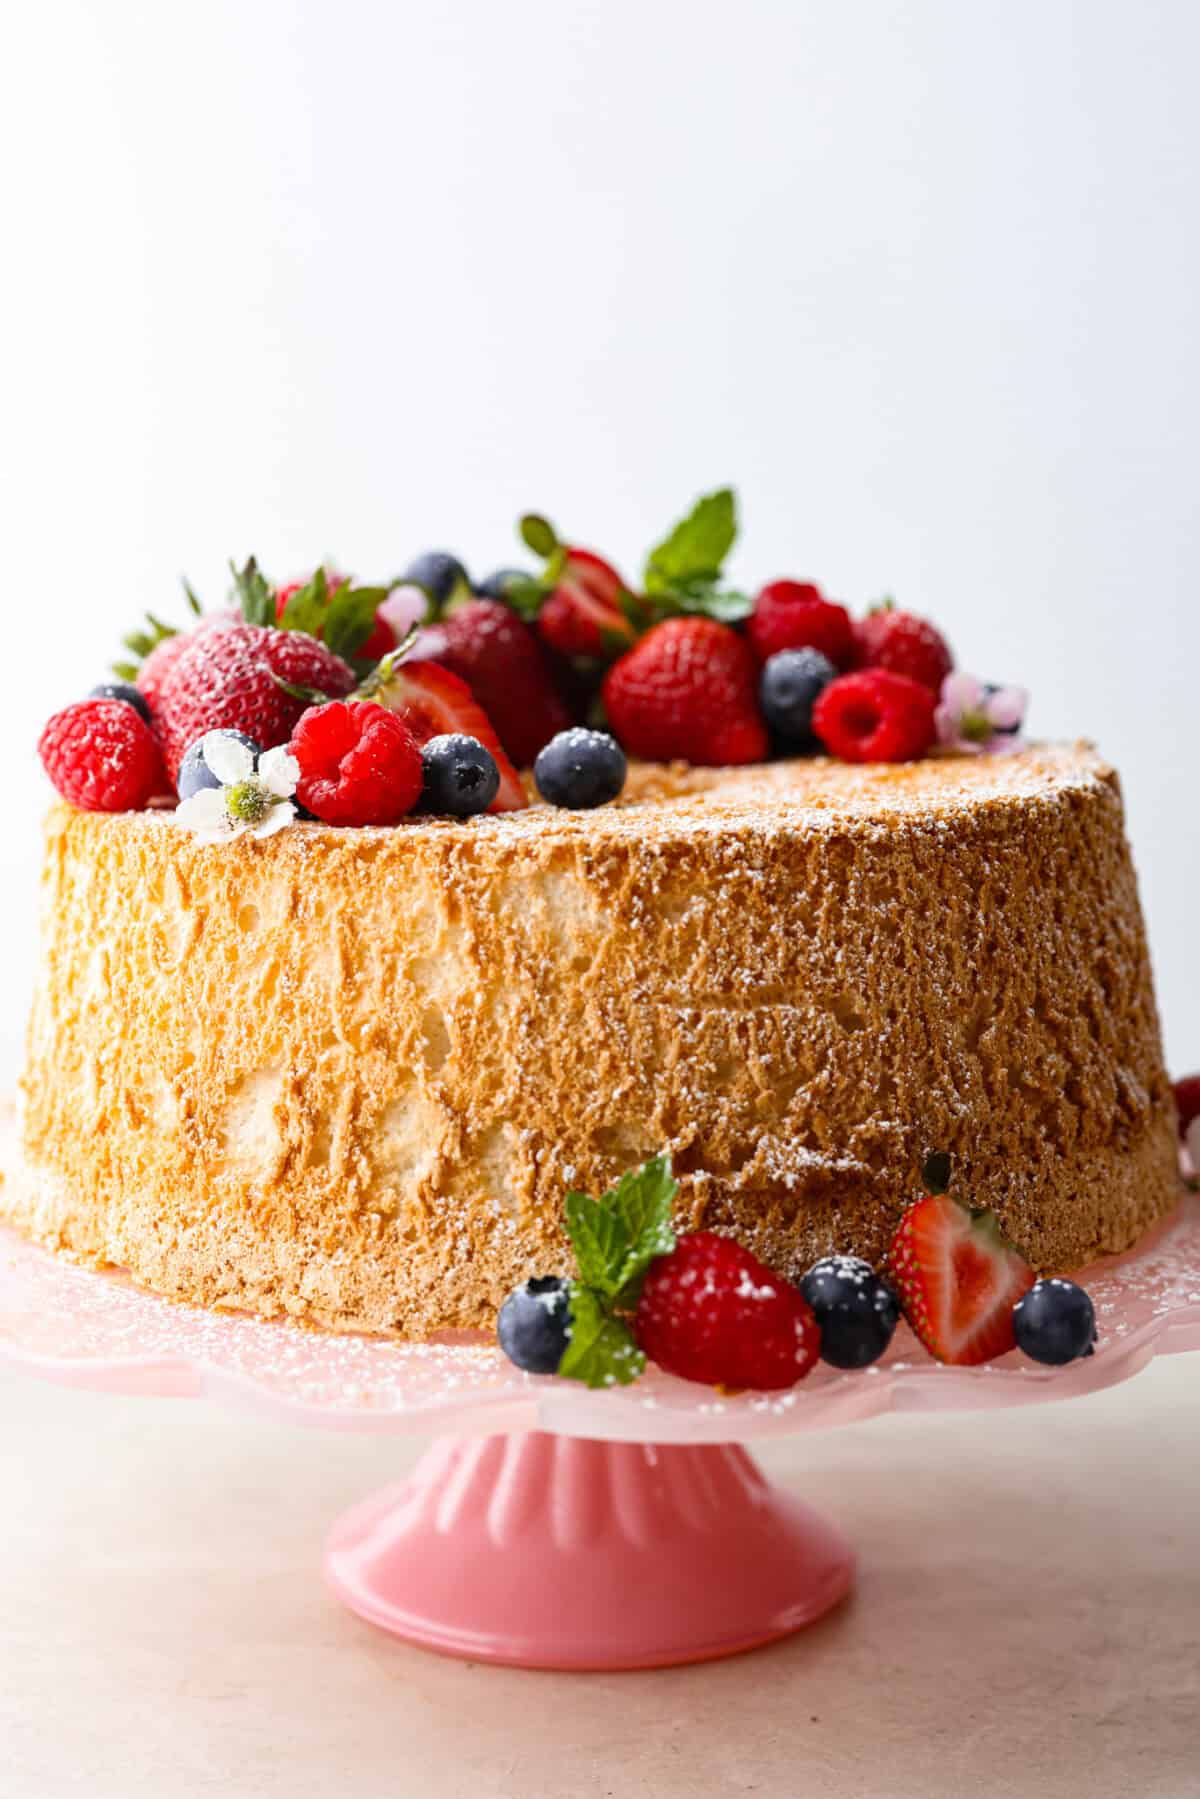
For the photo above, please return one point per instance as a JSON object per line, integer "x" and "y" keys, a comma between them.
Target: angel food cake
{"x": 347, "y": 1074}
{"x": 334, "y": 1005}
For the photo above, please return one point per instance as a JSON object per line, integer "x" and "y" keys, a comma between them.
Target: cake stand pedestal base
{"x": 545, "y": 1551}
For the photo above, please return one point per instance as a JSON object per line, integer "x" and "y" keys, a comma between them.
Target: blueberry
{"x": 439, "y": 573}
{"x": 1055, "y": 1322}
{"x": 789, "y": 686}
{"x": 534, "y": 1326}
{"x": 580, "y": 768}
{"x": 122, "y": 690}
{"x": 194, "y": 772}
{"x": 855, "y": 1309}
{"x": 461, "y": 776}
{"x": 495, "y": 586}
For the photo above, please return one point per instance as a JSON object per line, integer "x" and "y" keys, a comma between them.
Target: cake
{"x": 345, "y": 1074}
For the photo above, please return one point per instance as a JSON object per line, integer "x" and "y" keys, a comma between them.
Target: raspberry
{"x": 906, "y": 644}
{"x": 688, "y": 689}
{"x": 103, "y": 757}
{"x": 224, "y": 680}
{"x": 794, "y": 615}
{"x": 711, "y": 1312}
{"x": 359, "y": 764}
{"x": 875, "y": 716}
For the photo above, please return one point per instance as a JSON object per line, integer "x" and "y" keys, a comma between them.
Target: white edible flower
{"x": 248, "y": 802}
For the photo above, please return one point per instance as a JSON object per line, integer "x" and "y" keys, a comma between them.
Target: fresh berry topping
{"x": 583, "y": 615}
{"x": 506, "y": 668}
{"x": 103, "y": 757}
{"x": 440, "y": 574}
{"x": 1187, "y": 1103}
{"x": 875, "y": 716}
{"x": 158, "y": 664}
{"x": 434, "y": 702}
{"x": 856, "y": 1311}
{"x": 711, "y": 1312}
{"x": 497, "y": 585}
{"x": 194, "y": 772}
{"x": 125, "y": 692}
{"x": 795, "y": 615}
{"x": 788, "y": 689}
{"x": 906, "y": 644}
{"x": 226, "y": 678}
{"x": 534, "y": 1326}
{"x": 958, "y": 1278}
{"x": 460, "y": 776}
{"x": 1055, "y": 1322}
{"x": 688, "y": 690}
{"x": 580, "y": 768}
{"x": 359, "y": 764}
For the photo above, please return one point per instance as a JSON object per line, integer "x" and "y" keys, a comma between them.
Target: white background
{"x": 356, "y": 280}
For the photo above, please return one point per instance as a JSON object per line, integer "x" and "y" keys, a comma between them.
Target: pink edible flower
{"x": 971, "y": 715}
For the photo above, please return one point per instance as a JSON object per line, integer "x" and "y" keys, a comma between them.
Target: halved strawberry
{"x": 432, "y": 701}
{"x": 583, "y": 615}
{"x": 958, "y": 1278}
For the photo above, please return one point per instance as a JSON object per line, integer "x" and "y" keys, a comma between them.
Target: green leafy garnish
{"x": 601, "y": 1351}
{"x": 615, "y": 1239}
{"x": 350, "y": 618}
{"x": 683, "y": 573}
{"x": 697, "y": 546}
{"x": 254, "y": 593}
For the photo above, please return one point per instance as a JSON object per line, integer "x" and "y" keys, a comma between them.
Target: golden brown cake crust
{"x": 348, "y": 1074}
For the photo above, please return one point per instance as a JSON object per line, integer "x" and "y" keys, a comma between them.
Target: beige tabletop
{"x": 1027, "y": 1622}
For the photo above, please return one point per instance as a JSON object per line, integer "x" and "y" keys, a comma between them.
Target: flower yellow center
{"x": 247, "y": 802}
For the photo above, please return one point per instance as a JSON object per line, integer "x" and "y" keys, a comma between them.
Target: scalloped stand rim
{"x": 540, "y": 1551}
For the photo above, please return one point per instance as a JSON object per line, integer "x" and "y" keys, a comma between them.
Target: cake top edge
{"x": 804, "y": 794}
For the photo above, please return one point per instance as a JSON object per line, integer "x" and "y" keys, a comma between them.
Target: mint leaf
{"x": 350, "y": 618}
{"x": 616, "y": 1237}
{"x": 600, "y": 1239}
{"x": 601, "y": 1351}
{"x": 696, "y": 547}
{"x": 305, "y": 611}
{"x": 643, "y": 1200}
{"x": 701, "y": 597}
{"x": 539, "y": 535}
{"x": 254, "y": 594}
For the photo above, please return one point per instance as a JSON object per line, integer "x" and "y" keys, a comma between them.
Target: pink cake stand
{"x": 549, "y": 1526}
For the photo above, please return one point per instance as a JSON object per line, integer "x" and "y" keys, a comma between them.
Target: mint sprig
{"x": 615, "y": 1239}
{"x": 683, "y": 574}
{"x": 601, "y": 1351}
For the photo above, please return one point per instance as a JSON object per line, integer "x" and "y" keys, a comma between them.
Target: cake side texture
{"x": 347, "y": 1075}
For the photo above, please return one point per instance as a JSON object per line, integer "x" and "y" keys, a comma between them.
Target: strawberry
{"x": 434, "y": 702}
{"x": 582, "y": 616}
{"x": 158, "y": 664}
{"x": 958, "y": 1278}
{"x": 875, "y": 716}
{"x": 710, "y": 1311}
{"x": 905, "y": 644}
{"x": 505, "y": 666}
{"x": 688, "y": 689}
{"x": 794, "y": 615}
{"x": 225, "y": 679}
